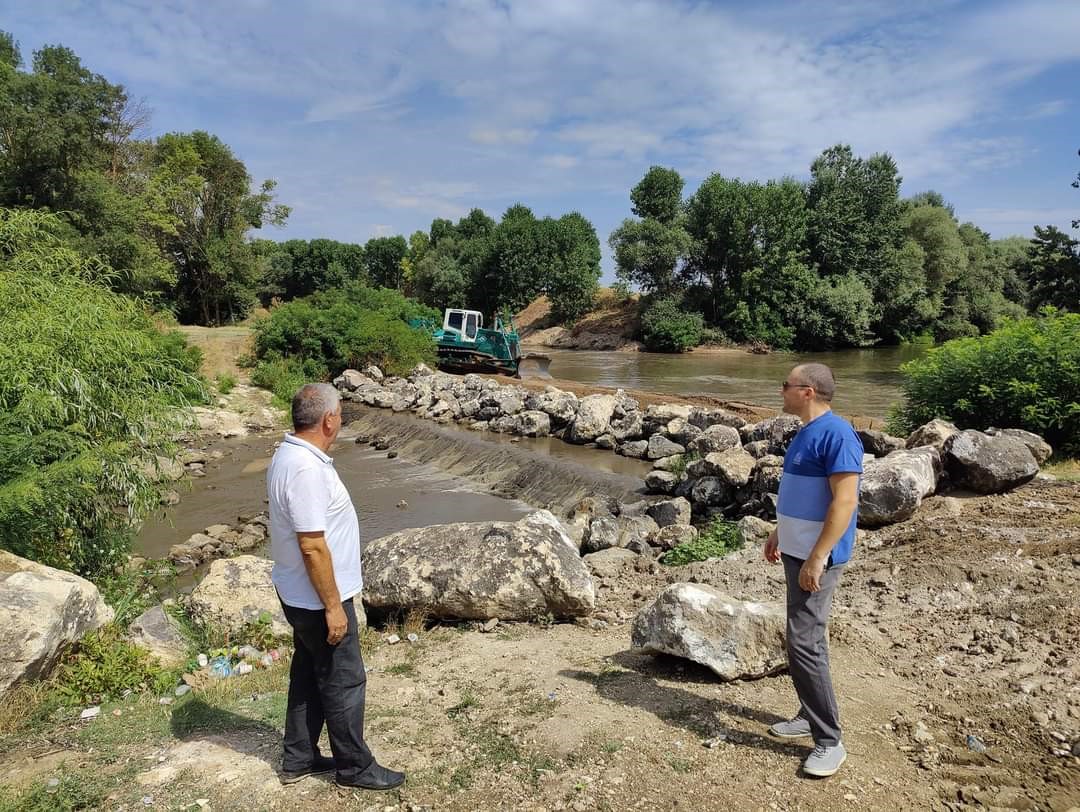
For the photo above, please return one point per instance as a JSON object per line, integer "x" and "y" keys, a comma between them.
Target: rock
{"x": 672, "y": 463}
{"x": 777, "y": 430}
{"x": 736, "y": 639}
{"x": 561, "y": 407}
{"x": 768, "y": 471}
{"x": 42, "y": 611}
{"x": 216, "y": 531}
{"x": 605, "y": 532}
{"x": 475, "y": 571}
{"x": 169, "y": 498}
{"x": 671, "y": 536}
{"x": 235, "y": 592}
{"x": 670, "y": 511}
{"x": 988, "y": 464}
{"x": 609, "y": 563}
{"x": 636, "y": 449}
{"x": 879, "y": 443}
{"x": 221, "y": 422}
{"x": 593, "y": 416}
{"x": 627, "y": 427}
{"x": 658, "y": 416}
{"x": 753, "y": 530}
{"x": 350, "y": 380}
{"x": 733, "y": 466}
{"x": 660, "y": 481}
{"x": 374, "y": 373}
{"x": 715, "y": 438}
{"x": 660, "y": 447}
{"x": 682, "y": 432}
{"x": 711, "y": 491}
{"x": 934, "y": 433}
{"x": 532, "y": 423}
{"x": 421, "y": 371}
{"x": 1039, "y": 448}
{"x": 164, "y": 469}
{"x": 606, "y": 442}
{"x": 706, "y": 418}
{"x": 758, "y": 448}
{"x": 156, "y": 631}
{"x": 893, "y": 487}
{"x": 383, "y": 399}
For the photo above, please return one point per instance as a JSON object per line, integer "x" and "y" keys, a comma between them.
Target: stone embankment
{"x": 723, "y": 465}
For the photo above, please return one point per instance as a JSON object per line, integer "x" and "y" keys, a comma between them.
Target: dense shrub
{"x": 89, "y": 391}
{"x": 1025, "y": 374}
{"x": 320, "y": 336}
{"x": 666, "y": 327}
{"x": 104, "y": 664}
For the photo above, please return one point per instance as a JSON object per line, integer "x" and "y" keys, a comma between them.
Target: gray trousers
{"x": 808, "y": 650}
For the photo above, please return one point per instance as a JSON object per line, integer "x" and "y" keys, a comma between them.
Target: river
{"x": 868, "y": 380}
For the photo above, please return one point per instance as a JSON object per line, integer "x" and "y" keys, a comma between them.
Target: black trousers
{"x": 326, "y": 685}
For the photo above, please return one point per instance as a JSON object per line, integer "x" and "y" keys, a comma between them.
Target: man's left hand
{"x": 810, "y": 574}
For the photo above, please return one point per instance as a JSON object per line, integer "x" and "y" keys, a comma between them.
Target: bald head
{"x": 312, "y": 403}
{"x": 818, "y": 376}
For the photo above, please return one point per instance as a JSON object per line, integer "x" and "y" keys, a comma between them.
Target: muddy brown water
{"x": 441, "y": 474}
{"x": 868, "y": 380}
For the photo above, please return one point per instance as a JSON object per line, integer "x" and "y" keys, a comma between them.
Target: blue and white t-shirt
{"x": 824, "y": 446}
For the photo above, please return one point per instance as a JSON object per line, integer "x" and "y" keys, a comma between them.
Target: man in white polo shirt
{"x": 315, "y": 544}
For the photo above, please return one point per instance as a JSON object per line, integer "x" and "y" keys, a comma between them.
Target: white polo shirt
{"x": 307, "y": 496}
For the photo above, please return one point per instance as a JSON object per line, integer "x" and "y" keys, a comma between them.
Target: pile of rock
{"x": 727, "y": 473}
{"x": 220, "y": 541}
{"x": 615, "y": 422}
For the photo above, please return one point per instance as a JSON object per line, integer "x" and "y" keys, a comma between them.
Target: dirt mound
{"x": 611, "y": 325}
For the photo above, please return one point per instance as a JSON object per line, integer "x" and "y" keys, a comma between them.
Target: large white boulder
{"x": 42, "y": 611}
{"x": 479, "y": 570}
{"x": 235, "y": 592}
{"x": 593, "y": 418}
{"x": 894, "y": 486}
{"x": 736, "y": 639}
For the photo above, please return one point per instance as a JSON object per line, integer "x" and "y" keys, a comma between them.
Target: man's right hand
{"x": 337, "y": 624}
{"x": 772, "y": 548}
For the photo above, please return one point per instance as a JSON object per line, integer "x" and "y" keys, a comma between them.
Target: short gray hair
{"x": 311, "y": 403}
{"x": 820, "y": 377}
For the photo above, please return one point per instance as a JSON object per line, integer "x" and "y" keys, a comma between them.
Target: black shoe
{"x": 374, "y": 777}
{"x": 322, "y": 764}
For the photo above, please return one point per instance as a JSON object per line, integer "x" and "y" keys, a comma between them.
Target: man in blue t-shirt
{"x": 815, "y": 531}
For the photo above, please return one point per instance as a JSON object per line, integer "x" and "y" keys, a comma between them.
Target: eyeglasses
{"x": 786, "y": 386}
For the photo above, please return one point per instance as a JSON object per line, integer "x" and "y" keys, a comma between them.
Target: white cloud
{"x": 392, "y": 112}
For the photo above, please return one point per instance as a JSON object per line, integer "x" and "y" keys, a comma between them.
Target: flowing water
{"x": 449, "y": 474}
{"x": 868, "y": 381}
{"x": 442, "y": 474}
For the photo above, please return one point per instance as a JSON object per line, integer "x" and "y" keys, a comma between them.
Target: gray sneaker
{"x": 794, "y": 728}
{"x": 825, "y": 761}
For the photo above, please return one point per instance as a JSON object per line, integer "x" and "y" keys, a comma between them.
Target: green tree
{"x": 384, "y": 257}
{"x": 438, "y": 279}
{"x": 658, "y": 195}
{"x": 1054, "y": 270}
{"x": 572, "y": 266}
{"x": 202, "y": 205}
{"x": 666, "y": 326}
{"x": 297, "y": 268}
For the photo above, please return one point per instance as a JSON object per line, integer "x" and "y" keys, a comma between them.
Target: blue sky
{"x": 376, "y": 116}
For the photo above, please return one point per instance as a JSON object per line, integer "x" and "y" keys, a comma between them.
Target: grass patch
{"x": 405, "y": 669}
{"x": 681, "y": 765}
{"x": 104, "y": 665}
{"x": 611, "y": 746}
{"x": 225, "y": 382}
{"x": 468, "y": 700}
{"x": 82, "y": 789}
{"x": 28, "y": 707}
{"x": 1066, "y": 469}
{"x": 717, "y": 540}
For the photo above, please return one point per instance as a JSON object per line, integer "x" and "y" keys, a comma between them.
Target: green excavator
{"x": 465, "y": 345}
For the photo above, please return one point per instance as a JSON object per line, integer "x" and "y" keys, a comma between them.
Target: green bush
{"x": 89, "y": 396}
{"x": 320, "y": 336}
{"x": 717, "y": 540}
{"x": 225, "y": 383}
{"x": 1025, "y": 374}
{"x": 103, "y": 665}
{"x": 666, "y": 327}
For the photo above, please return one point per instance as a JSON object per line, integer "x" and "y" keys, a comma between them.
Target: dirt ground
{"x": 961, "y": 622}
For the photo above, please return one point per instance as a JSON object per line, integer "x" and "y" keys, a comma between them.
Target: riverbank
{"x": 569, "y": 717}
